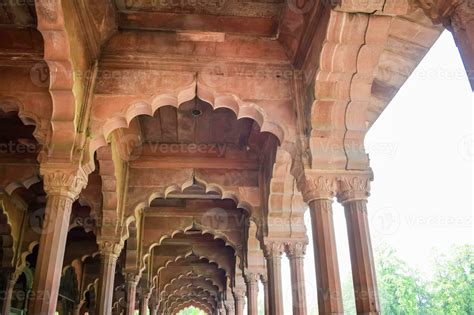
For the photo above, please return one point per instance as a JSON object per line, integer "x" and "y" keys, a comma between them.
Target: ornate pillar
{"x": 144, "y": 304}
{"x": 8, "y": 292}
{"x": 62, "y": 187}
{"x": 353, "y": 196}
{"x": 273, "y": 252}
{"x": 239, "y": 296}
{"x": 266, "y": 295}
{"x": 296, "y": 252}
{"x": 319, "y": 193}
{"x": 132, "y": 281}
{"x": 109, "y": 252}
{"x": 252, "y": 292}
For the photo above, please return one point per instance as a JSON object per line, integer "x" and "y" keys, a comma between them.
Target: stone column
{"x": 319, "y": 193}
{"x": 230, "y": 307}
{"x": 8, "y": 292}
{"x": 273, "y": 252}
{"x": 109, "y": 252}
{"x": 266, "y": 295}
{"x": 252, "y": 292}
{"x": 296, "y": 252}
{"x": 132, "y": 281}
{"x": 353, "y": 196}
{"x": 239, "y": 296}
{"x": 144, "y": 304}
{"x": 62, "y": 187}
{"x": 154, "y": 309}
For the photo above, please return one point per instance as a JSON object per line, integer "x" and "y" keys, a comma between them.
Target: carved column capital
{"x": 132, "y": 278}
{"x": 264, "y": 279}
{"x": 354, "y": 187}
{"x": 67, "y": 182}
{"x": 296, "y": 249}
{"x": 318, "y": 186}
{"x": 229, "y": 306}
{"x": 274, "y": 249}
{"x": 251, "y": 277}
{"x": 239, "y": 293}
{"x": 110, "y": 247}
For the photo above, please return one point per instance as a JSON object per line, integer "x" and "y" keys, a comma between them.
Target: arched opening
{"x": 191, "y": 310}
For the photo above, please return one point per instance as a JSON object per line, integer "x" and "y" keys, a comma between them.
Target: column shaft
{"x": 131, "y": 297}
{"x": 239, "y": 306}
{"x": 144, "y": 305}
{"x": 362, "y": 261}
{"x": 108, "y": 261}
{"x": 49, "y": 264}
{"x": 274, "y": 278}
{"x": 298, "y": 292}
{"x": 252, "y": 295}
{"x": 266, "y": 296}
{"x": 325, "y": 258}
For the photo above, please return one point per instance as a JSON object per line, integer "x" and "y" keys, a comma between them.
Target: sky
{"x": 421, "y": 153}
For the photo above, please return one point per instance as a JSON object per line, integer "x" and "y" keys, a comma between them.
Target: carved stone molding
{"x": 296, "y": 249}
{"x": 63, "y": 182}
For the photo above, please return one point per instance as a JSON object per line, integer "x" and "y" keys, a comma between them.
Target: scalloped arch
{"x": 241, "y": 109}
{"x": 202, "y": 229}
{"x": 209, "y": 187}
{"x": 190, "y": 274}
{"x": 200, "y": 257}
{"x": 196, "y": 304}
{"x": 13, "y": 104}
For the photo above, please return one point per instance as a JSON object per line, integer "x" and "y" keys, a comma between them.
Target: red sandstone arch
{"x": 204, "y": 256}
{"x": 42, "y": 130}
{"x": 135, "y": 106}
{"x": 203, "y": 230}
{"x": 192, "y": 276}
{"x": 196, "y": 304}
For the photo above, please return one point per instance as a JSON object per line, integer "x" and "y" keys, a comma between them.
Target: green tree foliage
{"x": 453, "y": 283}
{"x": 402, "y": 291}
